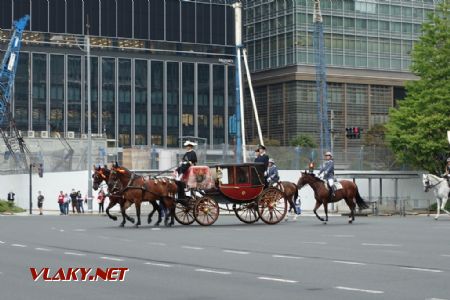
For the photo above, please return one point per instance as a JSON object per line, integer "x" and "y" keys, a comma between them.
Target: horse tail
{"x": 360, "y": 201}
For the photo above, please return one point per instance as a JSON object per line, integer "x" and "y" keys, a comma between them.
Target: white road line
{"x": 343, "y": 235}
{"x": 2, "y": 242}
{"x": 156, "y": 228}
{"x": 435, "y": 299}
{"x": 192, "y": 247}
{"x": 61, "y": 230}
{"x": 158, "y": 265}
{"x": 348, "y": 262}
{"x": 111, "y": 258}
{"x": 236, "y": 252}
{"x": 213, "y": 271}
{"x": 424, "y": 270}
{"x": 317, "y": 243}
{"x": 74, "y": 253}
{"x": 42, "y": 249}
{"x": 104, "y": 237}
{"x": 358, "y": 290}
{"x": 287, "y": 256}
{"x": 125, "y": 240}
{"x": 157, "y": 244}
{"x": 278, "y": 279}
{"x": 381, "y": 245}
{"x": 79, "y": 230}
{"x": 445, "y": 255}
{"x": 18, "y": 245}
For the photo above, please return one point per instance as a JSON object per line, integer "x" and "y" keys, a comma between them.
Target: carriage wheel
{"x": 272, "y": 206}
{"x": 206, "y": 211}
{"x": 184, "y": 213}
{"x": 247, "y": 213}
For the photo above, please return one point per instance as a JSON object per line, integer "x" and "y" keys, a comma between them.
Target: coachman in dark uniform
{"x": 262, "y": 157}
{"x": 189, "y": 159}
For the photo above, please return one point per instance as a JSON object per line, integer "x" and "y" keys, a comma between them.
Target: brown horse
{"x": 136, "y": 189}
{"x": 290, "y": 191}
{"x": 102, "y": 174}
{"x": 349, "y": 192}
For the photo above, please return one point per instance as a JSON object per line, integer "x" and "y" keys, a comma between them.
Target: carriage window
{"x": 223, "y": 176}
{"x": 242, "y": 175}
{"x": 255, "y": 177}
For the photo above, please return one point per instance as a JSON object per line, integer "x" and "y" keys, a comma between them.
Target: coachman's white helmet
{"x": 448, "y": 159}
{"x": 328, "y": 153}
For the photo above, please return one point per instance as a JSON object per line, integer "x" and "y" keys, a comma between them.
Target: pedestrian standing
{"x": 40, "y": 202}
{"x": 101, "y": 201}
{"x": 80, "y": 202}
{"x": 61, "y": 203}
{"x": 66, "y": 203}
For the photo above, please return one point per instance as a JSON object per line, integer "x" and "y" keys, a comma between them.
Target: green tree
{"x": 416, "y": 131}
{"x": 304, "y": 141}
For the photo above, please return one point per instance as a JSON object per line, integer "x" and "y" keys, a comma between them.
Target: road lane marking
{"x": 74, "y": 253}
{"x": 18, "y": 245}
{"x": 236, "y": 252}
{"x": 42, "y": 249}
{"x": 104, "y": 237}
{"x": 156, "y": 228}
{"x": 316, "y": 243}
{"x": 61, "y": 230}
{"x": 287, "y": 256}
{"x": 111, "y": 258}
{"x": 422, "y": 269}
{"x": 278, "y": 279}
{"x": 445, "y": 255}
{"x": 213, "y": 271}
{"x": 79, "y": 230}
{"x": 2, "y": 242}
{"x": 342, "y": 235}
{"x": 192, "y": 247}
{"x": 158, "y": 265}
{"x": 348, "y": 262}
{"x": 435, "y": 299}
{"x": 358, "y": 290}
{"x": 157, "y": 244}
{"x": 381, "y": 245}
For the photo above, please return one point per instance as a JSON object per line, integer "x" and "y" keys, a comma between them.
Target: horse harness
{"x": 428, "y": 186}
{"x": 129, "y": 185}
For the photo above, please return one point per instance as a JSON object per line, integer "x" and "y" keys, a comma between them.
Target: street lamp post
{"x": 89, "y": 129}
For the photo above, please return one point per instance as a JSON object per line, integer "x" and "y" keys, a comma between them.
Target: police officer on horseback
{"x": 447, "y": 171}
{"x": 272, "y": 173}
{"x": 326, "y": 172}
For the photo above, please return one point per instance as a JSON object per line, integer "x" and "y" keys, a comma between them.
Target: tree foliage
{"x": 417, "y": 128}
{"x": 304, "y": 141}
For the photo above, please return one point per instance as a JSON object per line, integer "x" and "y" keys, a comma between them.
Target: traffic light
{"x": 41, "y": 170}
{"x": 353, "y": 132}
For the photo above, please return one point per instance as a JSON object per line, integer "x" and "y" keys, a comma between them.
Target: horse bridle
{"x": 428, "y": 186}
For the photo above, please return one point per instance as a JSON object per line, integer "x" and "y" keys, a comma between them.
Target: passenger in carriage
{"x": 327, "y": 172}
{"x": 272, "y": 173}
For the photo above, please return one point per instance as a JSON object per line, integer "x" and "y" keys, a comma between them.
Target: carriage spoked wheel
{"x": 184, "y": 212}
{"x": 272, "y": 205}
{"x": 206, "y": 211}
{"x": 247, "y": 212}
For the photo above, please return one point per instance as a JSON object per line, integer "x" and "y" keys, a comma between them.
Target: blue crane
{"x": 321, "y": 79}
{"x": 17, "y": 148}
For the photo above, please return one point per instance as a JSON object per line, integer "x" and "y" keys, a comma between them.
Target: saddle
{"x": 337, "y": 185}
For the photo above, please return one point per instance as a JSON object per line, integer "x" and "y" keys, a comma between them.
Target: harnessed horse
{"x": 440, "y": 188}
{"x": 349, "y": 193}
{"x": 102, "y": 174}
{"x": 136, "y": 189}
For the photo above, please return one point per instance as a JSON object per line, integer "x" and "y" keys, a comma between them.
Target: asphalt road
{"x": 374, "y": 258}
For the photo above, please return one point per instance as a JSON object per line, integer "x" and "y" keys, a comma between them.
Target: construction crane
{"x": 14, "y": 142}
{"x": 321, "y": 79}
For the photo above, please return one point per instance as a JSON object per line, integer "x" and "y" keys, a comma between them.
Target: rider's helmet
{"x": 271, "y": 160}
{"x": 448, "y": 159}
{"x": 328, "y": 153}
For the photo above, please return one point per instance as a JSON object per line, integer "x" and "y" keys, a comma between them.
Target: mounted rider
{"x": 326, "y": 172}
{"x": 189, "y": 159}
{"x": 272, "y": 173}
{"x": 447, "y": 171}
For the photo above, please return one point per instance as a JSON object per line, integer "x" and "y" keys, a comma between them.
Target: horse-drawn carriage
{"x": 237, "y": 188}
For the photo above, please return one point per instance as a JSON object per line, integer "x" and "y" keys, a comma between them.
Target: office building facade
{"x": 156, "y": 71}
{"x": 368, "y": 47}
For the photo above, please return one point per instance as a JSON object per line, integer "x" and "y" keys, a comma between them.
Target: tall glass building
{"x": 155, "y": 65}
{"x": 368, "y": 47}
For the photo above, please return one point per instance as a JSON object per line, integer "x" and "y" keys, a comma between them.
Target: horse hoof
{"x": 149, "y": 221}
{"x": 122, "y": 225}
{"x": 324, "y": 222}
{"x": 114, "y": 218}
{"x": 157, "y": 225}
{"x": 436, "y": 218}
{"x": 350, "y": 222}
{"x": 131, "y": 220}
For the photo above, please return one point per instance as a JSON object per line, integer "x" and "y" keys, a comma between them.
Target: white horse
{"x": 440, "y": 188}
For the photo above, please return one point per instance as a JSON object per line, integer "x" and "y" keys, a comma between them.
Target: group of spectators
{"x": 75, "y": 197}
